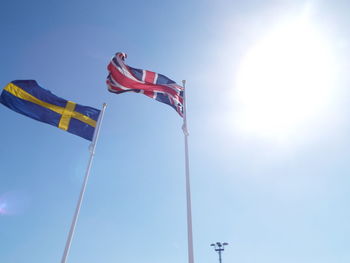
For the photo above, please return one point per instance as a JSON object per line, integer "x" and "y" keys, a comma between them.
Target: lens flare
{"x": 3, "y": 206}
{"x": 13, "y": 203}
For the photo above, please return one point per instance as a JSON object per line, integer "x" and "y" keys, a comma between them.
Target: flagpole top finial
{"x": 183, "y": 82}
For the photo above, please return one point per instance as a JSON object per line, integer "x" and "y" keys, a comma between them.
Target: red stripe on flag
{"x": 149, "y": 94}
{"x": 150, "y": 76}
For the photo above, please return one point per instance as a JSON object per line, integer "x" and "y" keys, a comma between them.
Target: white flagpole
{"x": 188, "y": 188}
{"x": 87, "y": 174}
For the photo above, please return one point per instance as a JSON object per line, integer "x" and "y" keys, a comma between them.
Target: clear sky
{"x": 268, "y": 115}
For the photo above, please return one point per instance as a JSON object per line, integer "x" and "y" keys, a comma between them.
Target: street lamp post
{"x": 219, "y": 247}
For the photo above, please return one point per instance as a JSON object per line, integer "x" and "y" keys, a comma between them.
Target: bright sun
{"x": 284, "y": 82}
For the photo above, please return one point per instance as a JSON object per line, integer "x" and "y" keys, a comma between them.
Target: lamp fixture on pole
{"x": 219, "y": 247}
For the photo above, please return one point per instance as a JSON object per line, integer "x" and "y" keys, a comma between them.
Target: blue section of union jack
{"x": 123, "y": 78}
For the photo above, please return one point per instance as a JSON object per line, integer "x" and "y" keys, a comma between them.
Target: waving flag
{"x": 123, "y": 78}
{"x": 28, "y": 98}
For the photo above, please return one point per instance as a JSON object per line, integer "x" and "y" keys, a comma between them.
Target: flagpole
{"x": 82, "y": 191}
{"x": 188, "y": 188}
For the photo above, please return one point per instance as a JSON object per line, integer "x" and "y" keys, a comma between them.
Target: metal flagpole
{"x": 188, "y": 188}
{"x": 82, "y": 191}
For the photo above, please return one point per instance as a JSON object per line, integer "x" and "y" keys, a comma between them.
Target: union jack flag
{"x": 123, "y": 78}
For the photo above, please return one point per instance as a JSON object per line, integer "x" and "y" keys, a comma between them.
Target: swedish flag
{"x": 28, "y": 98}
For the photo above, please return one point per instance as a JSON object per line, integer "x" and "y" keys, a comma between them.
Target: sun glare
{"x": 284, "y": 82}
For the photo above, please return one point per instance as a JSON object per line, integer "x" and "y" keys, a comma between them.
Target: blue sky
{"x": 269, "y": 167}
